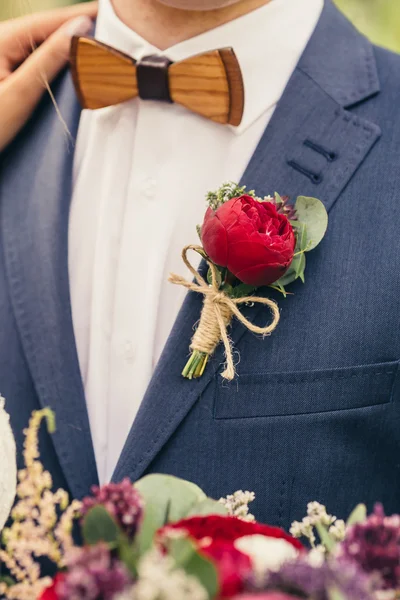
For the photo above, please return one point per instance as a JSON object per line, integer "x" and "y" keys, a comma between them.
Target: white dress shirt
{"x": 141, "y": 172}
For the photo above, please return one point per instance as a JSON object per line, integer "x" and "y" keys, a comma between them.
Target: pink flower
{"x": 121, "y": 500}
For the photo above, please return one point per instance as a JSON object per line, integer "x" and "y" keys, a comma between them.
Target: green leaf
{"x": 202, "y": 252}
{"x": 295, "y": 271}
{"x": 128, "y": 554}
{"x": 278, "y": 199}
{"x": 325, "y": 537}
{"x": 208, "y": 507}
{"x": 166, "y": 499}
{"x": 312, "y": 213}
{"x": 301, "y": 237}
{"x": 218, "y": 275}
{"x": 358, "y": 515}
{"x": 99, "y": 526}
{"x": 187, "y": 558}
{"x": 9, "y": 581}
{"x": 300, "y": 265}
{"x": 242, "y": 290}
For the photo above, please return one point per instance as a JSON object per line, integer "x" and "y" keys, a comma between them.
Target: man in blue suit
{"x": 314, "y": 413}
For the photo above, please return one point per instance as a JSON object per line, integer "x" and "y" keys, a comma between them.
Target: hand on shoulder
{"x": 33, "y": 50}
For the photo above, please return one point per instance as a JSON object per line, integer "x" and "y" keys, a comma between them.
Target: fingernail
{"x": 78, "y": 26}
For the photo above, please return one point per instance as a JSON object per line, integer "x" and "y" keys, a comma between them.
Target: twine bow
{"x": 218, "y": 310}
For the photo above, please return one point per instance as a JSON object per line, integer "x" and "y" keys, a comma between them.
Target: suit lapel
{"x": 35, "y": 191}
{"x": 312, "y": 146}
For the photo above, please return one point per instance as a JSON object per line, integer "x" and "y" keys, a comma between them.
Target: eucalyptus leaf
{"x": 208, "y": 507}
{"x": 128, "y": 554}
{"x": 300, "y": 265}
{"x": 295, "y": 271}
{"x": 301, "y": 237}
{"x": 312, "y": 213}
{"x": 325, "y": 537}
{"x": 358, "y": 515}
{"x": 287, "y": 278}
{"x": 99, "y": 526}
{"x": 166, "y": 499}
{"x": 187, "y": 558}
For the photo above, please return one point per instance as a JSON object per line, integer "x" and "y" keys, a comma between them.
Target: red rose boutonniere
{"x": 248, "y": 243}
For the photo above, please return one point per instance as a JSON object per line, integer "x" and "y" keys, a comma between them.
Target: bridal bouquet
{"x": 163, "y": 539}
{"x": 248, "y": 243}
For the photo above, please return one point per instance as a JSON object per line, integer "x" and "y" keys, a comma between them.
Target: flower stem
{"x": 195, "y": 365}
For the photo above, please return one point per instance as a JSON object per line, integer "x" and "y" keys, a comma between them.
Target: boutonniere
{"x": 248, "y": 243}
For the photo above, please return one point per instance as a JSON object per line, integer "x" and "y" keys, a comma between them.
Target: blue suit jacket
{"x": 315, "y": 410}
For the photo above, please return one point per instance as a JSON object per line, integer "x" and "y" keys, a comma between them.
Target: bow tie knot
{"x": 208, "y": 84}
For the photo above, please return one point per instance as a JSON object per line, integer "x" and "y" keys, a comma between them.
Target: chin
{"x": 198, "y": 4}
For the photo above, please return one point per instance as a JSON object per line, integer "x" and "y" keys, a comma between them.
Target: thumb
{"x": 42, "y": 66}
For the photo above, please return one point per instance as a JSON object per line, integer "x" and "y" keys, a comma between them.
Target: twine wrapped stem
{"x": 218, "y": 310}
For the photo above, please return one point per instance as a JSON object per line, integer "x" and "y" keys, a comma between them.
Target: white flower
{"x": 317, "y": 514}
{"x": 8, "y": 466}
{"x": 266, "y": 553}
{"x": 317, "y": 556}
{"x": 158, "y": 579}
{"x": 237, "y": 505}
{"x": 338, "y": 530}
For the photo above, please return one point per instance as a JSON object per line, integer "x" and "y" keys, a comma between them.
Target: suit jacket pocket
{"x": 304, "y": 392}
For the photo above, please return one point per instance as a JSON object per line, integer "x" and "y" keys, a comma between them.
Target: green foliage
{"x": 377, "y": 19}
{"x": 313, "y": 219}
{"x": 208, "y": 507}
{"x": 168, "y": 499}
{"x": 326, "y": 538}
{"x": 99, "y": 526}
{"x": 226, "y": 192}
{"x": 187, "y": 558}
{"x": 310, "y": 229}
{"x": 358, "y": 515}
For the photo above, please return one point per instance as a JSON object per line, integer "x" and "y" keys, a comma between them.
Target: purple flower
{"x": 300, "y": 578}
{"x": 92, "y": 575}
{"x": 121, "y": 500}
{"x": 375, "y": 546}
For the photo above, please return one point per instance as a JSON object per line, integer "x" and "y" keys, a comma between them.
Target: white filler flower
{"x": 266, "y": 553}
{"x": 8, "y": 466}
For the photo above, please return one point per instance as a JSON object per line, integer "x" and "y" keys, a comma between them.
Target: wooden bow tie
{"x": 209, "y": 84}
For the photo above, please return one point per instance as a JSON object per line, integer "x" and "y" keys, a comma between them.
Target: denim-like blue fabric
{"x": 314, "y": 413}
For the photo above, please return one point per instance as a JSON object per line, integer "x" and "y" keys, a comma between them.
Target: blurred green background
{"x": 378, "y": 19}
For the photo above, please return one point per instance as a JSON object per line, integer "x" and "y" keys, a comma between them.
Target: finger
{"x": 19, "y": 36}
{"x": 22, "y": 90}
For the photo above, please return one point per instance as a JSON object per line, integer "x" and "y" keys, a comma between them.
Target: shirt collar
{"x": 268, "y": 43}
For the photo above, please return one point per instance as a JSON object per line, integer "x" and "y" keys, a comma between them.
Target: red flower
{"x": 233, "y": 567}
{"x": 228, "y": 529}
{"x": 216, "y": 535}
{"x": 50, "y": 593}
{"x": 250, "y": 238}
{"x": 266, "y": 596}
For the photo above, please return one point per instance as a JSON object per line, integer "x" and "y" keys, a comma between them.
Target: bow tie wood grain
{"x": 208, "y": 84}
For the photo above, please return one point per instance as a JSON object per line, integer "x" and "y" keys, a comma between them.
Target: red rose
{"x": 250, "y": 238}
{"x": 232, "y": 565}
{"x": 266, "y": 596}
{"x": 216, "y": 535}
{"x": 228, "y": 529}
{"x": 50, "y": 593}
